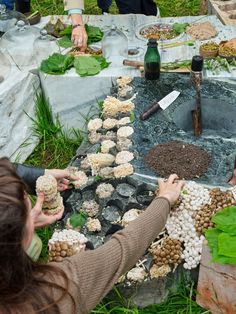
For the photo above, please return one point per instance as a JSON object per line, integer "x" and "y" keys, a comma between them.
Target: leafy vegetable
{"x": 89, "y": 66}
{"x": 212, "y": 236}
{"x": 225, "y": 220}
{"x": 222, "y": 239}
{"x": 57, "y": 64}
{"x": 66, "y": 31}
{"x": 179, "y": 28}
{"x": 94, "y": 34}
{"x": 220, "y": 64}
{"x": 65, "y": 42}
{"x": 78, "y": 220}
{"x": 227, "y": 244}
{"x": 176, "y": 65}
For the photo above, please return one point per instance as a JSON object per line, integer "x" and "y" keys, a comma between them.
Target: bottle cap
{"x": 152, "y": 42}
{"x": 197, "y": 63}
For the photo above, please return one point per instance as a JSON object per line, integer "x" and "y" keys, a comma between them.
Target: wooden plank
{"x": 216, "y": 285}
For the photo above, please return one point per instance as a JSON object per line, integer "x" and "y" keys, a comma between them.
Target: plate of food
{"x": 158, "y": 31}
{"x": 201, "y": 31}
{"x": 227, "y": 49}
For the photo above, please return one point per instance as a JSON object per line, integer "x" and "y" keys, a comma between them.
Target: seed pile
{"x": 65, "y": 243}
{"x": 188, "y": 160}
{"x": 53, "y": 202}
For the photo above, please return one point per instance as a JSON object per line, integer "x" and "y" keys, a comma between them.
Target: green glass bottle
{"x": 152, "y": 61}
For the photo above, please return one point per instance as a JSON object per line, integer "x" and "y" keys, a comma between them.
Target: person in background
{"x": 146, "y": 7}
{"x": 104, "y": 5}
{"x": 78, "y": 283}
{"x": 76, "y": 7}
{"x": 22, "y": 6}
{"x": 75, "y": 10}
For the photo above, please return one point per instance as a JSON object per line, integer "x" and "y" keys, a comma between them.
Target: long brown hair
{"x": 23, "y": 287}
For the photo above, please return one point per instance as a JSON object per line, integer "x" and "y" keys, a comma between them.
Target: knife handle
{"x": 150, "y": 111}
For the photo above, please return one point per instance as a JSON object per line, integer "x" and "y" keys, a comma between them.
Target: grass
{"x": 167, "y": 7}
{"x": 57, "y": 145}
{"x": 181, "y": 302}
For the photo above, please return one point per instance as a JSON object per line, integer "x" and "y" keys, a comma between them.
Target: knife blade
{"x": 163, "y": 104}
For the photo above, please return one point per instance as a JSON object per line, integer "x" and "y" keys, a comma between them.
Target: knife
{"x": 163, "y": 104}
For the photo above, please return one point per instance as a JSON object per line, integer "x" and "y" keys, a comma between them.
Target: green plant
{"x": 57, "y": 145}
{"x": 180, "y": 302}
{"x": 45, "y": 234}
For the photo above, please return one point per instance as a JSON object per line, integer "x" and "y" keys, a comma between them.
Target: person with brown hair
{"x": 78, "y": 283}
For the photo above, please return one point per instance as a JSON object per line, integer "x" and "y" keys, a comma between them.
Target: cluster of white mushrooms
{"x": 53, "y": 202}
{"x": 65, "y": 243}
{"x": 112, "y": 131}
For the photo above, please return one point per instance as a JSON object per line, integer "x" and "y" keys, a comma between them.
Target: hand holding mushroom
{"x": 170, "y": 188}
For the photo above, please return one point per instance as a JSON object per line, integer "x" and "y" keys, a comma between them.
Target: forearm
{"x": 29, "y": 175}
{"x": 97, "y": 271}
{"x": 73, "y": 4}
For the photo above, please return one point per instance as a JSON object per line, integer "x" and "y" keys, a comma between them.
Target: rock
{"x": 216, "y": 285}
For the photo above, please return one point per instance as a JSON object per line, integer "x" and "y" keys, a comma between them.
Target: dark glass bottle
{"x": 152, "y": 61}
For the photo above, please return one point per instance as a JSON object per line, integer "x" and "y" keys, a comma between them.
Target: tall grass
{"x": 167, "y": 7}
{"x": 181, "y": 302}
{"x": 57, "y": 145}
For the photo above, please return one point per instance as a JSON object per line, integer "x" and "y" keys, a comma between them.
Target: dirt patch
{"x": 186, "y": 160}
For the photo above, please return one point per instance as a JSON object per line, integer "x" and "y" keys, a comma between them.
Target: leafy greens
{"x": 222, "y": 239}
{"x": 78, "y": 219}
{"x": 89, "y": 66}
{"x": 179, "y": 28}
{"x": 57, "y": 64}
{"x": 94, "y": 34}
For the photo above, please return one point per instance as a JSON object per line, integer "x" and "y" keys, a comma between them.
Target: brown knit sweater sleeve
{"x": 95, "y": 272}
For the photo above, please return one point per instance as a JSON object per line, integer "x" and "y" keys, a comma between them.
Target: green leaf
{"x": 179, "y": 28}
{"x": 65, "y": 42}
{"x": 89, "y": 66}
{"x": 78, "y": 220}
{"x": 132, "y": 116}
{"x": 227, "y": 245}
{"x": 225, "y": 220}
{"x": 57, "y": 64}
{"x": 100, "y": 104}
{"x": 94, "y": 33}
{"x": 67, "y": 31}
{"x": 99, "y": 178}
{"x": 212, "y": 236}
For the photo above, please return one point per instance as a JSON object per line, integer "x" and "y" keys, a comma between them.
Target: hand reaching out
{"x": 170, "y": 188}
{"x": 79, "y": 37}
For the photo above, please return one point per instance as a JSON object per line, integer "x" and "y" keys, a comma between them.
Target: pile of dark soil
{"x": 186, "y": 160}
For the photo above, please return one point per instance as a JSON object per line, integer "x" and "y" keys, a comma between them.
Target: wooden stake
{"x": 197, "y": 121}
